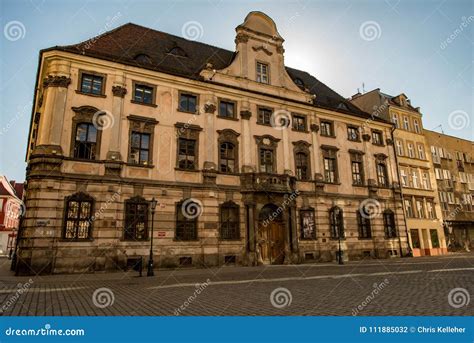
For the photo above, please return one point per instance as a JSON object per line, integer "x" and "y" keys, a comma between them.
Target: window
{"x": 415, "y": 239}
{"x": 227, "y": 156}
{"x": 399, "y": 148}
{"x": 139, "y": 148}
{"x": 85, "y": 141}
{"x": 389, "y": 224}
{"x": 227, "y": 109}
{"x": 136, "y": 219}
{"x": 377, "y": 137}
{"x": 430, "y": 209}
{"x": 92, "y": 84}
{"x": 357, "y": 169}
{"x": 411, "y": 153}
{"x": 327, "y": 128}
{"x": 420, "y": 209}
{"x": 421, "y": 152}
{"x": 439, "y": 174}
{"x": 450, "y": 197}
{"x": 444, "y": 200}
{"x": 353, "y": 133}
{"x": 382, "y": 174}
{"x": 186, "y": 223}
{"x": 330, "y": 166}
{"x": 262, "y": 72}
{"x": 414, "y": 178}
{"x": 143, "y": 94}
{"x": 336, "y": 222}
{"x": 404, "y": 177}
{"x": 308, "y": 224}
{"x": 229, "y": 216}
{"x": 264, "y": 116}
{"x": 363, "y": 223}
{"x": 188, "y": 102}
{"x": 434, "y": 238}
{"x": 299, "y": 83}
{"x": 408, "y": 208}
{"x": 78, "y": 217}
{"x": 266, "y": 160}
{"x": 395, "y": 120}
{"x": 406, "y": 124}
{"x": 299, "y": 123}
{"x": 425, "y": 179}
{"x": 435, "y": 155}
{"x": 416, "y": 125}
{"x": 186, "y": 153}
{"x": 301, "y": 161}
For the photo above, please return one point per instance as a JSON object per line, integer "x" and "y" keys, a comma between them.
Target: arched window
{"x": 229, "y": 221}
{"x": 187, "y": 213}
{"x": 143, "y": 58}
{"x": 363, "y": 223}
{"x": 177, "y": 51}
{"x": 86, "y": 132}
{"x": 227, "y": 157}
{"x": 78, "y": 217}
{"x": 382, "y": 174}
{"x": 336, "y": 222}
{"x": 136, "y": 219}
{"x": 301, "y": 160}
{"x": 299, "y": 83}
{"x": 389, "y": 224}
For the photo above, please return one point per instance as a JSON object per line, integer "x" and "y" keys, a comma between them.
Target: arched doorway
{"x": 271, "y": 234}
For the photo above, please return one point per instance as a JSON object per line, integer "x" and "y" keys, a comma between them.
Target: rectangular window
{"x": 299, "y": 123}
{"x": 411, "y": 152}
{"x": 425, "y": 176}
{"x": 330, "y": 166}
{"x": 421, "y": 152}
{"x": 262, "y": 73}
{"x": 353, "y": 133}
{"x": 377, "y": 137}
{"x": 395, "y": 120}
{"x": 417, "y": 126}
{"x": 414, "y": 177}
{"x": 85, "y": 143}
{"x": 430, "y": 209}
{"x": 408, "y": 208}
{"x": 91, "y": 84}
{"x": 136, "y": 219}
{"x": 382, "y": 176}
{"x": 139, "y": 148}
{"x": 78, "y": 219}
{"x": 143, "y": 94}
{"x": 404, "y": 177}
{"x": 229, "y": 215}
{"x": 357, "y": 169}
{"x": 264, "y": 116}
{"x": 266, "y": 160}
{"x": 186, "y": 225}
{"x": 420, "y": 209}
{"x": 308, "y": 224}
{"x": 186, "y": 154}
{"x": 226, "y": 109}
{"x": 406, "y": 124}
{"x": 302, "y": 166}
{"x": 188, "y": 102}
{"x": 363, "y": 223}
{"x": 327, "y": 128}
{"x": 434, "y": 238}
{"x": 399, "y": 148}
{"x": 415, "y": 239}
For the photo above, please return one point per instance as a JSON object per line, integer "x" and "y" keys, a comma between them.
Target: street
{"x": 408, "y": 287}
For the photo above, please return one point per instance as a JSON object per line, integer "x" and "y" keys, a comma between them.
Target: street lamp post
{"x": 337, "y": 218}
{"x": 150, "y": 259}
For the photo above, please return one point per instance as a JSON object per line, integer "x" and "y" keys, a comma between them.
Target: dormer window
{"x": 177, "y": 51}
{"x": 262, "y": 72}
{"x": 299, "y": 83}
{"x": 143, "y": 58}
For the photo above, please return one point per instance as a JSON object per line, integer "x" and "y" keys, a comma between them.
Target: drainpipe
{"x": 409, "y": 253}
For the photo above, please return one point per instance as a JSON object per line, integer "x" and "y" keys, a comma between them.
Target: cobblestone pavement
{"x": 409, "y": 286}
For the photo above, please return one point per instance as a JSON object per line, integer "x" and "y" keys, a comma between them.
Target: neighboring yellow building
{"x": 454, "y": 170}
{"x": 416, "y": 172}
{"x": 251, "y": 161}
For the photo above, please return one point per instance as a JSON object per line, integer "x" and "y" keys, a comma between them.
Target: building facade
{"x": 11, "y": 209}
{"x": 416, "y": 172}
{"x": 454, "y": 170}
{"x": 250, "y": 161}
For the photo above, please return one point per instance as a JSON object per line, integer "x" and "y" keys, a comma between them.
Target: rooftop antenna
{"x": 439, "y": 126}
{"x": 363, "y": 87}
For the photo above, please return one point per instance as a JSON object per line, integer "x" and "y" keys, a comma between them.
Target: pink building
{"x": 11, "y": 208}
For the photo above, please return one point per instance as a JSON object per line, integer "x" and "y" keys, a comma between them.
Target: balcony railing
{"x": 264, "y": 182}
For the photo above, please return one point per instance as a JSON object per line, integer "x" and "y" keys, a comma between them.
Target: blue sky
{"x": 404, "y": 48}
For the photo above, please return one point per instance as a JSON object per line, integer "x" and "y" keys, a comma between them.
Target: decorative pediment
{"x": 262, "y": 48}
{"x": 266, "y": 140}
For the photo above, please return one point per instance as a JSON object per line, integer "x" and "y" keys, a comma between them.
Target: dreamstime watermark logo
{"x": 103, "y": 297}
{"x": 459, "y": 297}
{"x": 280, "y": 120}
{"x": 105, "y": 206}
{"x": 103, "y": 120}
{"x": 458, "y": 120}
{"x": 370, "y": 30}
{"x": 14, "y": 30}
{"x": 464, "y": 24}
{"x": 200, "y": 287}
{"x": 191, "y": 208}
{"x": 275, "y": 214}
{"x": 370, "y": 208}
{"x": 378, "y": 287}
{"x": 19, "y": 114}
{"x": 110, "y": 21}
{"x": 281, "y": 297}
{"x": 22, "y": 288}
{"x": 192, "y": 30}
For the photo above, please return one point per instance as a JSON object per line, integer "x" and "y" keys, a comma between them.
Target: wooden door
{"x": 272, "y": 243}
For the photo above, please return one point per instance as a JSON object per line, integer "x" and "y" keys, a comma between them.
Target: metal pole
{"x": 150, "y": 259}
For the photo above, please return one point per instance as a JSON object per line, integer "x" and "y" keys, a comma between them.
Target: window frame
{"x": 188, "y": 94}
{"x": 357, "y": 158}
{"x": 328, "y": 123}
{"x": 135, "y": 201}
{"x": 229, "y": 206}
{"x": 364, "y": 225}
{"x": 79, "y": 198}
{"x": 260, "y": 117}
{"x": 377, "y": 133}
{"x": 181, "y": 218}
{"x": 330, "y": 154}
{"x": 336, "y": 223}
{"x": 357, "y": 138}
{"x": 140, "y": 148}
{"x": 384, "y": 176}
{"x": 91, "y": 147}
{"x": 312, "y": 215}
{"x": 305, "y": 122}
{"x": 94, "y": 74}
{"x": 227, "y": 102}
{"x": 141, "y": 125}
{"x": 136, "y": 84}
{"x": 258, "y": 74}
{"x": 85, "y": 115}
{"x": 389, "y": 218}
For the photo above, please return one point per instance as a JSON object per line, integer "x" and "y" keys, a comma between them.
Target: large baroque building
{"x": 420, "y": 197}
{"x": 251, "y": 161}
{"x": 454, "y": 170}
